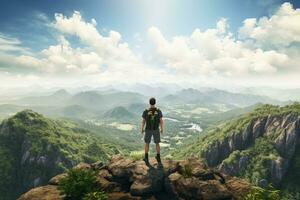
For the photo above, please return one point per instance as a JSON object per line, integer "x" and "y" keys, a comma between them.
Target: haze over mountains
{"x": 96, "y": 123}
{"x": 91, "y": 101}
{"x": 277, "y": 93}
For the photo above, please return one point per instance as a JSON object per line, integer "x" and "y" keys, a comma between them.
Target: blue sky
{"x": 20, "y": 18}
{"x": 148, "y": 32}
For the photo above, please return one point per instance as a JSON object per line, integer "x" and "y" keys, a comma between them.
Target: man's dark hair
{"x": 152, "y": 101}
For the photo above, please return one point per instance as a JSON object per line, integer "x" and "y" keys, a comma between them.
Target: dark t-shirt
{"x": 157, "y": 113}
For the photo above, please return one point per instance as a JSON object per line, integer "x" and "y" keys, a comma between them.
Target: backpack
{"x": 152, "y": 118}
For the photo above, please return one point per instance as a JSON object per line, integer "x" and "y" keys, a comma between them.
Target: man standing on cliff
{"x": 152, "y": 118}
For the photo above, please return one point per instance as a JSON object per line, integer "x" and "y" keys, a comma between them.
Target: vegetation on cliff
{"x": 34, "y": 148}
{"x": 261, "y": 146}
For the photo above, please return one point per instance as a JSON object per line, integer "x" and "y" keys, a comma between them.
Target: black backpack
{"x": 152, "y": 118}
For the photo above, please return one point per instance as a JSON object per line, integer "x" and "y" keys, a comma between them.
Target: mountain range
{"x": 119, "y": 113}
{"x": 215, "y": 96}
{"x": 94, "y": 103}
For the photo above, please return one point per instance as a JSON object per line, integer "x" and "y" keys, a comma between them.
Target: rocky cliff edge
{"x": 124, "y": 178}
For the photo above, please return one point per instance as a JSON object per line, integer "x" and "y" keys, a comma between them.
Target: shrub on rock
{"x": 95, "y": 196}
{"x": 78, "y": 183}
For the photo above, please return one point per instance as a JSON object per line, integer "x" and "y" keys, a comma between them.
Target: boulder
{"x": 122, "y": 196}
{"x": 55, "y": 180}
{"x": 141, "y": 187}
{"x": 212, "y": 189}
{"x": 82, "y": 166}
{"x": 108, "y": 186}
{"x": 104, "y": 173}
{"x": 48, "y": 192}
{"x": 237, "y": 187}
{"x": 187, "y": 188}
{"x": 121, "y": 168}
{"x": 119, "y": 196}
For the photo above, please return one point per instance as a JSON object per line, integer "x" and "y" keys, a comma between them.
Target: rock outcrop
{"x": 283, "y": 131}
{"x": 123, "y": 178}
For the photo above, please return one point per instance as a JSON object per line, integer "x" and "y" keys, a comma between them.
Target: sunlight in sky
{"x": 191, "y": 43}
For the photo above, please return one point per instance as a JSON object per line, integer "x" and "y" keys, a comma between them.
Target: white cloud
{"x": 222, "y": 25}
{"x": 28, "y": 61}
{"x": 10, "y": 44}
{"x": 263, "y": 48}
{"x": 100, "y": 59}
{"x": 281, "y": 29}
{"x": 118, "y": 62}
{"x": 94, "y": 22}
{"x": 105, "y": 46}
{"x": 217, "y": 52}
{"x": 110, "y": 49}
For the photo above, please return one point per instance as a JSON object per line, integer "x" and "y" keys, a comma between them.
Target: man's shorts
{"x": 148, "y": 135}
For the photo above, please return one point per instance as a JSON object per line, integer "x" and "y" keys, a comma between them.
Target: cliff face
{"x": 235, "y": 151}
{"x": 34, "y": 148}
{"x": 26, "y": 163}
{"x": 123, "y": 178}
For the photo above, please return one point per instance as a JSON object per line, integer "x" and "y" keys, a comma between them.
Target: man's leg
{"x": 157, "y": 148}
{"x": 156, "y": 136}
{"x": 158, "y": 152}
{"x": 147, "y": 140}
{"x": 146, "y": 151}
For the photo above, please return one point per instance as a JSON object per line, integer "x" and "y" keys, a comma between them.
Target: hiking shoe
{"x": 146, "y": 160}
{"x": 158, "y": 159}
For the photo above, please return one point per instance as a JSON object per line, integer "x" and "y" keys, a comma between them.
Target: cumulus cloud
{"x": 88, "y": 34}
{"x": 265, "y": 47}
{"x": 214, "y": 52}
{"x": 109, "y": 52}
{"x": 100, "y": 58}
{"x": 56, "y": 59}
{"x": 281, "y": 29}
{"x": 218, "y": 52}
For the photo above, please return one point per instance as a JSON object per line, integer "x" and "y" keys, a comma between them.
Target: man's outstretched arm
{"x": 143, "y": 125}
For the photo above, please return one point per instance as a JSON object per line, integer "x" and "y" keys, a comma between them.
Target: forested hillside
{"x": 261, "y": 146}
{"x": 34, "y": 148}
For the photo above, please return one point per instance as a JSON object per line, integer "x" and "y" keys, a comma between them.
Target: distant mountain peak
{"x": 190, "y": 90}
{"x": 119, "y": 112}
{"x": 61, "y": 92}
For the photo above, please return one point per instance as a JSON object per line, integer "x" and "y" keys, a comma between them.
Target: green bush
{"x": 136, "y": 155}
{"x": 186, "y": 171}
{"x": 78, "y": 183}
{"x": 258, "y": 193}
{"x": 95, "y": 196}
{"x": 290, "y": 195}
